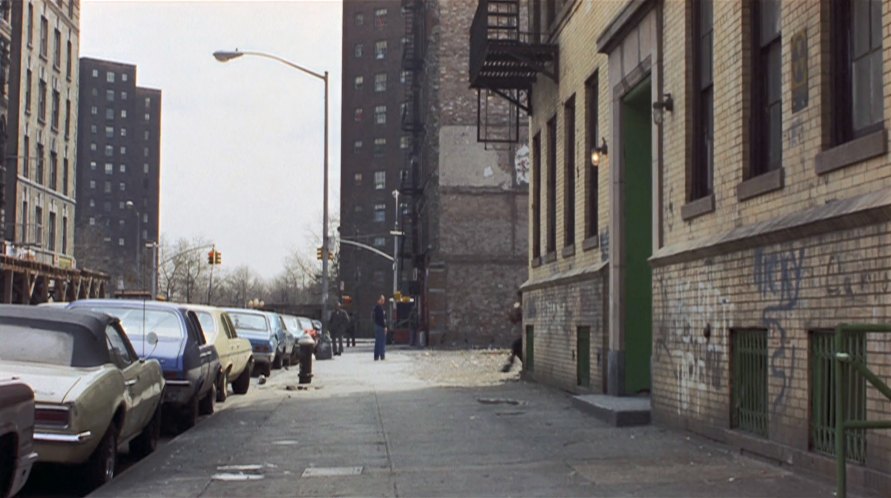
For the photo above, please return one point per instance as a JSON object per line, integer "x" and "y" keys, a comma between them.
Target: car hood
{"x": 50, "y": 383}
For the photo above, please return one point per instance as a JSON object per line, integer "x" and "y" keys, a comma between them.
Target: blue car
{"x": 191, "y": 367}
{"x": 266, "y": 333}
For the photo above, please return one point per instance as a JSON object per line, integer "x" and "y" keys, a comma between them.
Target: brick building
{"x": 464, "y": 211}
{"x": 118, "y": 173}
{"x": 739, "y": 210}
{"x": 42, "y": 129}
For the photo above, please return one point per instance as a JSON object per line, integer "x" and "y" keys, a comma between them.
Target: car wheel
{"x": 189, "y": 415}
{"x": 223, "y": 388}
{"x": 99, "y": 469}
{"x": 207, "y": 403}
{"x": 277, "y": 362}
{"x": 243, "y": 382}
{"x": 147, "y": 441}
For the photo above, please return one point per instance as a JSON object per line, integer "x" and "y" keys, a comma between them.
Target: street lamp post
{"x": 225, "y": 56}
{"x": 132, "y": 206}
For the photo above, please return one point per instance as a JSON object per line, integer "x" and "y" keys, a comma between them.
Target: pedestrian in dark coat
{"x": 351, "y": 331}
{"x": 338, "y": 325}
{"x": 380, "y": 329}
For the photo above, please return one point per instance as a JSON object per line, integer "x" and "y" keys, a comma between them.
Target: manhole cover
{"x": 332, "y": 471}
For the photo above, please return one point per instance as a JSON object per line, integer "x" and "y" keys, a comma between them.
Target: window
{"x": 122, "y": 168}
{"x": 122, "y": 187}
{"x": 39, "y": 176}
{"x": 380, "y": 213}
{"x": 109, "y": 95}
{"x": 380, "y": 114}
{"x": 26, "y": 158}
{"x": 357, "y": 50}
{"x": 357, "y": 178}
{"x": 123, "y": 131}
{"x": 121, "y": 242}
{"x": 92, "y": 203}
{"x": 51, "y": 238}
{"x": 109, "y": 168}
{"x": 592, "y": 134}
{"x": 145, "y": 135}
{"x": 107, "y": 188}
{"x": 357, "y": 146}
{"x": 38, "y": 225}
{"x": 380, "y": 242}
{"x": 95, "y": 73}
{"x": 380, "y": 82}
{"x": 123, "y": 150}
{"x": 123, "y": 95}
{"x": 145, "y": 168}
{"x": 124, "y": 114}
{"x": 552, "y": 185}
{"x": 54, "y": 171}
{"x": 25, "y": 226}
{"x": 93, "y": 184}
{"x": 380, "y": 49}
{"x": 536, "y": 196}
{"x": 120, "y": 354}
{"x": 380, "y": 146}
{"x": 358, "y": 114}
{"x": 767, "y": 112}
{"x": 380, "y": 180}
{"x": 57, "y": 49}
{"x": 94, "y": 110}
{"x": 404, "y": 141}
{"x": 67, "y": 118}
{"x": 569, "y": 173}
{"x": 359, "y": 19}
{"x": 404, "y": 77}
{"x": 109, "y": 150}
{"x": 109, "y": 132}
{"x": 358, "y": 82}
{"x": 41, "y": 100}
{"x": 28, "y": 88}
{"x": 55, "y": 110}
{"x": 380, "y": 18}
{"x": 109, "y": 76}
{"x": 702, "y": 166}
{"x": 66, "y": 178}
{"x": 857, "y": 68}
{"x": 30, "y": 24}
{"x": 109, "y": 113}
{"x": 44, "y": 41}
{"x": 93, "y": 146}
{"x": 749, "y": 381}
{"x": 68, "y": 60}
{"x": 64, "y": 235}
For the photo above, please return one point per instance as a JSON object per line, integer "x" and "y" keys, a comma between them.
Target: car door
{"x": 210, "y": 325}
{"x": 135, "y": 384}
{"x": 238, "y": 355}
{"x": 207, "y": 353}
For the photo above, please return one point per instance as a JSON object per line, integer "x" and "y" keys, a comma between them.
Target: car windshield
{"x": 249, "y": 322}
{"x": 305, "y": 324}
{"x": 36, "y": 345}
{"x": 137, "y": 322}
{"x": 293, "y": 324}
{"x": 208, "y": 325}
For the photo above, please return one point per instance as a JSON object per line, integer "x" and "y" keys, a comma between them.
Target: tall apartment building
{"x": 118, "y": 173}
{"x": 42, "y": 133}
{"x": 711, "y": 196}
{"x": 463, "y": 206}
{"x": 5, "y": 47}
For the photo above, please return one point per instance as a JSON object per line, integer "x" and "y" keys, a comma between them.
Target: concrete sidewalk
{"x": 375, "y": 428}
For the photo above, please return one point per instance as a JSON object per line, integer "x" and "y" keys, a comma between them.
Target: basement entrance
{"x": 637, "y": 223}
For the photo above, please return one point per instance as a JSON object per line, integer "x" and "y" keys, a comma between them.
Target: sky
{"x": 242, "y": 141}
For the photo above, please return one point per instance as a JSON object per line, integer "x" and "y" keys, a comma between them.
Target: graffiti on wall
{"x": 777, "y": 277}
{"x": 692, "y": 310}
{"x": 856, "y": 282}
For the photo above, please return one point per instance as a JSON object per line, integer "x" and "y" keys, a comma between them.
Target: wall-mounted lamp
{"x": 597, "y": 153}
{"x": 660, "y": 106}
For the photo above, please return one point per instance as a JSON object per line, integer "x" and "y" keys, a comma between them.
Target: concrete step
{"x": 618, "y": 411}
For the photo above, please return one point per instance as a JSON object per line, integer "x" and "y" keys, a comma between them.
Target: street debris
{"x": 500, "y": 401}
{"x": 261, "y": 380}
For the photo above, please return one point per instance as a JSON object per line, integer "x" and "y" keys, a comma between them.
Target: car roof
{"x": 203, "y": 307}
{"x": 244, "y": 310}
{"x": 91, "y": 321}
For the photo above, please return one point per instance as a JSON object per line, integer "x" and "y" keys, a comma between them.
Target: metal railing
{"x": 847, "y": 363}
{"x": 750, "y": 381}
{"x": 822, "y": 385}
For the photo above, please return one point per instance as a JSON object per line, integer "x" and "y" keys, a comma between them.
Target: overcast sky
{"x": 241, "y": 142}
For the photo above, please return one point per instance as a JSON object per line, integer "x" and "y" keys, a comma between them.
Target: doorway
{"x": 637, "y": 223}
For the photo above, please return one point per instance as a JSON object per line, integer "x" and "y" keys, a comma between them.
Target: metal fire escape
{"x": 413, "y": 127}
{"x": 505, "y": 61}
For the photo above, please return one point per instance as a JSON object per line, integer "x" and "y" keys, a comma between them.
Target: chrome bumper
{"x": 46, "y": 437}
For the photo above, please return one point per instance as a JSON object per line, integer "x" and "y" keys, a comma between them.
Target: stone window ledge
{"x": 699, "y": 207}
{"x": 568, "y": 251}
{"x": 550, "y": 257}
{"x": 536, "y": 262}
{"x": 760, "y": 185}
{"x": 590, "y": 243}
{"x": 852, "y": 152}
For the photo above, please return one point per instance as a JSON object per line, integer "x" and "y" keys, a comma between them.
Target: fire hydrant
{"x": 307, "y": 345}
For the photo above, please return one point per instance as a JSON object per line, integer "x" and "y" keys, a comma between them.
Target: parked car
{"x": 296, "y": 327}
{"x": 92, "y": 391}
{"x": 255, "y": 326}
{"x": 16, "y": 436}
{"x": 191, "y": 366}
{"x": 236, "y": 357}
{"x": 285, "y": 335}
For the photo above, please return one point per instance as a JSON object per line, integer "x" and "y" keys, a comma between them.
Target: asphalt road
{"x": 426, "y": 424}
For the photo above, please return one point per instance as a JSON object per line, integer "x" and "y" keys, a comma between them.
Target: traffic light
{"x": 218, "y": 258}
{"x": 210, "y": 257}
{"x": 319, "y": 253}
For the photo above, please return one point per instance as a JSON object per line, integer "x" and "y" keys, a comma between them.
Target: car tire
{"x": 277, "y": 362}
{"x": 189, "y": 415}
{"x": 207, "y": 403}
{"x": 243, "y": 382}
{"x": 99, "y": 469}
{"x": 147, "y": 441}
{"x": 223, "y": 388}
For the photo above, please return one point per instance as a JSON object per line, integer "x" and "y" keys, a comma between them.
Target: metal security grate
{"x": 750, "y": 381}
{"x": 823, "y": 372}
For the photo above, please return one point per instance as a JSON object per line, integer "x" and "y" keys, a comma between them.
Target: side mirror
{"x": 152, "y": 338}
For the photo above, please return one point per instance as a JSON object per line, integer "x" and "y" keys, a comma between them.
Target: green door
{"x": 583, "y": 356}
{"x": 528, "y": 356}
{"x": 637, "y": 229}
